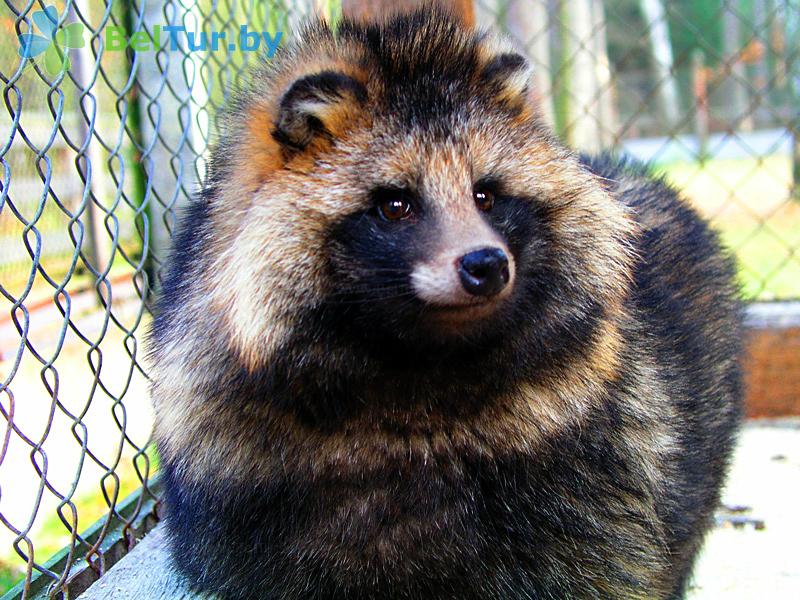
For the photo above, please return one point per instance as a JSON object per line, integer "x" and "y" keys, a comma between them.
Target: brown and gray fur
{"x": 336, "y": 419}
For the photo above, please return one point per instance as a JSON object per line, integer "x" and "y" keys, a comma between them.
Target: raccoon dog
{"x": 411, "y": 347}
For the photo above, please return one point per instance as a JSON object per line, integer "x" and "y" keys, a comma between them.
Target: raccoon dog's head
{"x": 392, "y": 184}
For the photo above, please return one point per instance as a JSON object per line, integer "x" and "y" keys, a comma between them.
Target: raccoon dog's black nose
{"x": 484, "y": 272}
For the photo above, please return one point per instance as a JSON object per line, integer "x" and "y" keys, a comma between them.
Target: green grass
{"x": 9, "y": 576}
{"x": 51, "y": 536}
{"x": 768, "y": 259}
{"x": 48, "y": 534}
{"x": 749, "y": 202}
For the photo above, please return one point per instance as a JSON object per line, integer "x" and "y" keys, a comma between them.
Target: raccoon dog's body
{"x": 411, "y": 347}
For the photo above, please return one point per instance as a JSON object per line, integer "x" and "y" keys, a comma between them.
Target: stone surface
{"x": 146, "y": 573}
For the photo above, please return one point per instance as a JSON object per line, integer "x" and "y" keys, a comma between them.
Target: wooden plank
{"x": 772, "y": 360}
{"x": 380, "y": 9}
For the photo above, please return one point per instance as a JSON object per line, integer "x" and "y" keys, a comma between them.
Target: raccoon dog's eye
{"x": 394, "y": 206}
{"x": 484, "y": 199}
{"x": 396, "y": 209}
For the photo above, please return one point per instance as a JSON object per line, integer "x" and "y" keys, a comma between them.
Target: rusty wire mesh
{"x": 98, "y": 154}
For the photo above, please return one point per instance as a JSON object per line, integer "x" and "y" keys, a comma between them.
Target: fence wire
{"x": 100, "y": 145}
{"x": 708, "y": 91}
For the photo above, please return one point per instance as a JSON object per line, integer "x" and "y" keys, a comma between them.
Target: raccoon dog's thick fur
{"x": 409, "y": 346}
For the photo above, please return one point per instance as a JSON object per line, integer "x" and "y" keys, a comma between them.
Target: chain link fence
{"x": 706, "y": 90}
{"x": 100, "y": 145}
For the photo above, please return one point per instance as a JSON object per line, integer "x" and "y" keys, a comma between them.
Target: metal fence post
{"x": 793, "y": 68}
{"x": 588, "y": 119}
{"x": 741, "y": 116}
{"x": 167, "y": 131}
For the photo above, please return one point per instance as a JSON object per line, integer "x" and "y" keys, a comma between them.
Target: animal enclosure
{"x": 109, "y": 110}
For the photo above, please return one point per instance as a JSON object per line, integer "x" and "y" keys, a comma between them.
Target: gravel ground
{"x": 751, "y": 561}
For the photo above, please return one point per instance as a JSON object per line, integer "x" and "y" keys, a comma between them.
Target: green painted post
{"x": 137, "y": 177}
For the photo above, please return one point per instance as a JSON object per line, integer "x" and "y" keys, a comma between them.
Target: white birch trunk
{"x": 655, "y": 18}
{"x": 528, "y": 22}
{"x": 589, "y": 76}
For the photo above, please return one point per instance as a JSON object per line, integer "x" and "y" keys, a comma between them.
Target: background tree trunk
{"x": 655, "y": 17}
{"x": 605, "y": 106}
{"x": 739, "y": 116}
{"x": 380, "y": 9}
{"x": 528, "y": 22}
{"x": 589, "y": 123}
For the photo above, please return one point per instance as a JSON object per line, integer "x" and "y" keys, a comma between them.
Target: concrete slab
{"x": 146, "y": 573}
{"x": 743, "y": 563}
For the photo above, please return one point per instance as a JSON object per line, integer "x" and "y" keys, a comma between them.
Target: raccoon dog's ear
{"x": 507, "y": 76}
{"x": 318, "y": 104}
